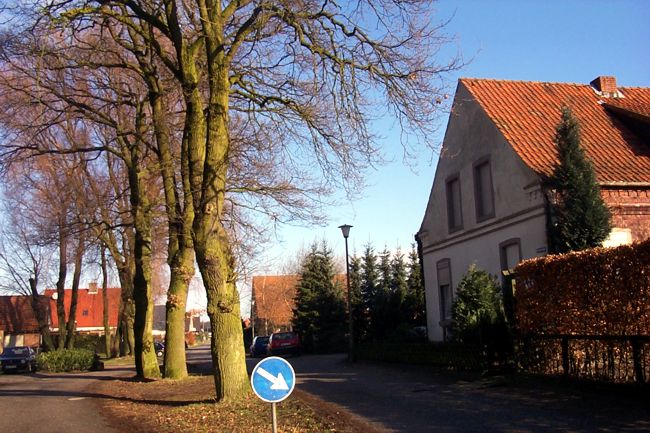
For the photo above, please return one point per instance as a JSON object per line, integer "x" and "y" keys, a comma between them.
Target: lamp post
{"x": 345, "y": 229}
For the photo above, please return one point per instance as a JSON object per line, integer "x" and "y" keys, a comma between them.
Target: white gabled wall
{"x": 518, "y": 203}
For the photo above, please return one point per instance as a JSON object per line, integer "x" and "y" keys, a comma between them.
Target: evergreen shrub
{"x": 66, "y": 360}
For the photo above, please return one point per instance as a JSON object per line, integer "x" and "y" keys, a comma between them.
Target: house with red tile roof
{"x": 90, "y": 308}
{"x": 488, "y": 203}
{"x": 273, "y": 302}
{"x": 18, "y": 324}
{"x": 273, "y": 298}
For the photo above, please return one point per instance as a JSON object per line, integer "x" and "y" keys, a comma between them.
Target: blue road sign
{"x": 273, "y": 379}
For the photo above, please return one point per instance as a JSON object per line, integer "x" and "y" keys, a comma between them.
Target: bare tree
{"x": 312, "y": 72}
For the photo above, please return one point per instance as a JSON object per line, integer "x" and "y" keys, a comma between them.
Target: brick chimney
{"x": 605, "y": 85}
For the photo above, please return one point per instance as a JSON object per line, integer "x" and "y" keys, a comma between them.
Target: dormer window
{"x": 483, "y": 192}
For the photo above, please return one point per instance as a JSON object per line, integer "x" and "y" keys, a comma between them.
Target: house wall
{"x": 519, "y": 211}
{"x": 630, "y": 210}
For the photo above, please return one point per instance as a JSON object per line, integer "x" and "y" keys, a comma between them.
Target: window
{"x": 454, "y": 209}
{"x": 510, "y": 252}
{"x": 483, "y": 193}
{"x": 84, "y": 313}
{"x": 446, "y": 294}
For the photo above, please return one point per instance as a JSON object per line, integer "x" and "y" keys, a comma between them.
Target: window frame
{"x": 442, "y": 265}
{"x": 455, "y": 177}
{"x": 479, "y": 204}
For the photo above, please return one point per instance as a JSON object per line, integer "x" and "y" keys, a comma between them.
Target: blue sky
{"x": 553, "y": 40}
{"x": 549, "y": 40}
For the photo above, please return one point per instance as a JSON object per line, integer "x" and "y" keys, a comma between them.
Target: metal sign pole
{"x": 275, "y": 419}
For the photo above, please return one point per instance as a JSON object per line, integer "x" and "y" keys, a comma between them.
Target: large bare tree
{"x": 304, "y": 79}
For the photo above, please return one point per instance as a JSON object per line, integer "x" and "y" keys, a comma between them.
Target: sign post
{"x": 273, "y": 380}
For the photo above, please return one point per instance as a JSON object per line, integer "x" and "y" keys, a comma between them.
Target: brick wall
{"x": 630, "y": 209}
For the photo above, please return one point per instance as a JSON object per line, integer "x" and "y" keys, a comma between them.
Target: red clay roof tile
{"x": 527, "y": 114}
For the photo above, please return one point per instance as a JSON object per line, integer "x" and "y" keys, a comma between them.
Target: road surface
{"x": 400, "y": 398}
{"x": 53, "y": 402}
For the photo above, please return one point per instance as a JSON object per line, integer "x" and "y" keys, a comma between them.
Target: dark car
{"x": 258, "y": 348}
{"x": 283, "y": 343}
{"x": 18, "y": 358}
{"x": 159, "y": 348}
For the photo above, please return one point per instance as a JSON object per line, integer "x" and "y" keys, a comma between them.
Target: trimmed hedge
{"x": 594, "y": 292}
{"x": 66, "y": 360}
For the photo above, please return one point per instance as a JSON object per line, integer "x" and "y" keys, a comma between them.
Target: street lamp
{"x": 345, "y": 229}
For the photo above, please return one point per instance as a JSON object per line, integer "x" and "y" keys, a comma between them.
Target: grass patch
{"x": 118, "y": 362}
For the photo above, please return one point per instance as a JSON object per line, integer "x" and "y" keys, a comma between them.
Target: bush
{"x": 477, "y": 307}
{"x": 89, "y": 342}
{"x": 66, "y": 360}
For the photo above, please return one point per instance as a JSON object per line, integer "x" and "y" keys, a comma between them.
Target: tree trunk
{"x": 60, "y": 285}
{"x": 146, "y": 362}
{"x": 227, "y": 342}
{"x": 212, "y": 244}
{"x": 40, "y": 306}
{"x": 182, "y": 271}
{"x": 74, "y": 294}
{"x": 105, "y": 313}
{"x": 180, "y": 250}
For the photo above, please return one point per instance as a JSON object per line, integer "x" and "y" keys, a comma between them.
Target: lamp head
{"x": 345, "y": 229}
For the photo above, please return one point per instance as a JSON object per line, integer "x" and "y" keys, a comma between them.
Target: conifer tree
{"x": 369, "y": 282}
{"x": 319, "y": 313}
{"x": 381, "y": 313}
{"x": 579, "y": 217}
{"x": 415, "y": 295}
{"x": 398, "y": 288}
{"x": 358, "y": 306}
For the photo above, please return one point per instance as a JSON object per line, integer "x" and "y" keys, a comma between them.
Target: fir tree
{"x": 319, "y": 313}
{"x": 399, "y": 288}
{"x": 359, "y": 311}
{"x": 382, "y": 316}
{"x": 369, "y": 281}
{"x": 579, "y": 217}
{"x": 415, "y": 292}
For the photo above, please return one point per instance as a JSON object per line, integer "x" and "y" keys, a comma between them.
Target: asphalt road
{"x": 399, "y": 398}
{"x": 53, "y": 403}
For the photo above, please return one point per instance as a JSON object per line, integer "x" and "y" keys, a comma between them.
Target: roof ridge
{"x": 499, "y": 80}
{"x": 562, "y": 83}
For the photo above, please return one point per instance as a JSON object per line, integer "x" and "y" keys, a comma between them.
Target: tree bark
{"x": 60, "y": 285}
{"x": 74, "y": 293}
{"x": 40, "y": 306}
{"x": 212, "y": 243}
{"x": 106, "y": 311}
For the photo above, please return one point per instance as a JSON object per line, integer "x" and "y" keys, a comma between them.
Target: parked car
{"x": 159, "y": 348}
{"x": 258, "y": 348}
{"x": 284, "y": 343}
{"x": 18, "y": 358}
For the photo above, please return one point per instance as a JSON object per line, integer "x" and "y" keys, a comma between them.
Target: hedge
{"x": 594, "y": 292}
{"x": 66, "y": 360}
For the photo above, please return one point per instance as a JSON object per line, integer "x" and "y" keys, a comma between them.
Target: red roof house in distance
{"x": 18, "y": 324}
{"x": 90, "y": 308}
{"x": 274, "y": 299}
{"x": 273, "y": 302}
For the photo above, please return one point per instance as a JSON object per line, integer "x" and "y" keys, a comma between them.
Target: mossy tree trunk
{"x": 74, "y": 293}
{"x": 146, "y": 362}
{"x": 211, "y": 240}
{"x": 60, "y": 284}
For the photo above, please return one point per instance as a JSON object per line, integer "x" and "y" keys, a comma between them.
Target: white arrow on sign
{"x": 277, "y": 382}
